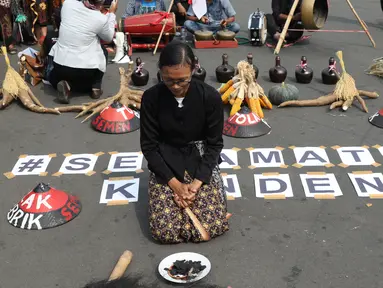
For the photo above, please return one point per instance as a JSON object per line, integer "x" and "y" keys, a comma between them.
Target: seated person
{"x": 276, "y": 21}
{"x": 180, "y": 8}
{"x": 220, "y": 13}
{"x": 138, "y": 7}
{"x": 79, "y": 59}
{"x": 181, "y": 138}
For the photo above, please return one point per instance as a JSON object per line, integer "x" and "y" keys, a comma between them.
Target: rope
{"x": 140, "y": 67}
{"x": 338, "y": 31}
{"x": 242, "y": 40}
{"x": 332, "y": 67}
{"x": 302, "y": 65}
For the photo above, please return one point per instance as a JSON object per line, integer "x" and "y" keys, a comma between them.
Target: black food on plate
{"x": 186, "y": 269}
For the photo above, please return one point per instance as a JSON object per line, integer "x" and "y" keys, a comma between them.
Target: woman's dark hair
{"x": 97, "y": 2}
{"x": 177, "y": 53}
{"x": 135, "y": 282}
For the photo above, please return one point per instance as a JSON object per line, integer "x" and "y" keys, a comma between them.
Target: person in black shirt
{"x": 180, "y": 8}
{"x": 276, "y": 20}
{"x": 181, "y": 138}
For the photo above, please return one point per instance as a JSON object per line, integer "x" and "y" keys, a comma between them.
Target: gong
{"x": 263, "y": 32}
{"x": 314, "y": 13}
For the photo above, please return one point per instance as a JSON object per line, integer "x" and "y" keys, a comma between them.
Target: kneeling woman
{"x": 79, "y": 59}
{"x": 181, "y": 138}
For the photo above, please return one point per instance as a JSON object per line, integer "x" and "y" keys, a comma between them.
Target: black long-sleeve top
{"x": 168, "y": 132}
{"x": 283, "y": 7}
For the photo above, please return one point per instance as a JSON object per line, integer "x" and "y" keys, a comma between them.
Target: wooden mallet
{"x": 361, "y": 22}
{"x": 163, "y": 28}
{"x": 286, "y": 27}
{"x": 205, "y": 236}
{"x": 121, "y": 266}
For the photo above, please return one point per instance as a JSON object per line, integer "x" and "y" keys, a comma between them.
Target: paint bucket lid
{"x": 44, "y": 207}
{"x": 245, "y": 124}
{"x": 377, "y": 119}
{"x": 116, "y": 119}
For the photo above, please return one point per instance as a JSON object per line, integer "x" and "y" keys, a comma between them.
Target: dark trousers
{"x": 273, "y": 27}
{"x": 179, "y": 18}
{"x": 80, "y": 80}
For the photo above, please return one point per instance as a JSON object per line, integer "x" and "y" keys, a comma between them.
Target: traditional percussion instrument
{"x": 257, "y": 26}
{"x": 201, "y": 35}
{"x": 149, "y": 24}
{"x": 314, "y": 13}
{"x": 225, "y": 34}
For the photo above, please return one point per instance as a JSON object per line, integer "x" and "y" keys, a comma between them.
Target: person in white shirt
{"x": 79, "y": 59}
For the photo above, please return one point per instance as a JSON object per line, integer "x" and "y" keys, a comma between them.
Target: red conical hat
{"x": 44, "y": 207}
{"x": 116, "y": 119}
{"x": 377, "y": 119}
{"x": 245, "y": 124}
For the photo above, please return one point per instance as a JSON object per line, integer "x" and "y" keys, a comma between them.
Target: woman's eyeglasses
{"x": 181, "y": 83}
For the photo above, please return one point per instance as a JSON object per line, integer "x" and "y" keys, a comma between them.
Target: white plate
{"x": 168, "y": 262}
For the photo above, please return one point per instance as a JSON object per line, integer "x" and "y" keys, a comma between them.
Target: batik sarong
{"x": 6, "y": 23}
{"x": 170, "y": 224}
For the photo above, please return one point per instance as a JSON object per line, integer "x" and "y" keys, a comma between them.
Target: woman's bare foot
{"x": 228, "y": 216}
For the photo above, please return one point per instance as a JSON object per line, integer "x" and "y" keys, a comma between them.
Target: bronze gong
{"x": 314, "y": 13}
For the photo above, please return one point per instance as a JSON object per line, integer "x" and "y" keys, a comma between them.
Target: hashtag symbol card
{"x": 30, "y": 165}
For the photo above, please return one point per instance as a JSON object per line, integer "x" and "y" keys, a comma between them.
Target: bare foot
{"x": 228, "y": 216}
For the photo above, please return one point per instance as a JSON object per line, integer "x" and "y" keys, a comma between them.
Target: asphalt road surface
{"x": 298, "y": 242}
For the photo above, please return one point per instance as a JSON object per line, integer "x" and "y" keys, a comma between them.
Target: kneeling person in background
{"x": 79, "y": 59}
{"x": 277, "y": 20}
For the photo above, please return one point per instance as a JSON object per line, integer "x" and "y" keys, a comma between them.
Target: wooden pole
{"x": 163, "y": 28}
{"x": 287, "y": 24}
{"x": 361, "y": 22}
{"x": 197, "y": 224}
{"x": 122, "y": 264}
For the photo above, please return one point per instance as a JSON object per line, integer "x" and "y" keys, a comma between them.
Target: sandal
{"x": 11, "y": 50}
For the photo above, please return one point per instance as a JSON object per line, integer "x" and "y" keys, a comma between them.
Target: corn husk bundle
{"x": 126, "y": 96}
{"x": 14, "y": 87}
{"x": 244, "y": 87}
{"x": 376, "y": 67}
{"x": 344, "y": 94}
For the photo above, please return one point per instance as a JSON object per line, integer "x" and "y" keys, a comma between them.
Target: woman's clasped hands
{"x": 184, "y": 194}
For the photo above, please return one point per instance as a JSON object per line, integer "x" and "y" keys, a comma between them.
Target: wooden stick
{"x": 362, "y": 23}
{"x": 163, "y": 28}
{"x": 121, "y": 265}
{"x": 339, "y": 31}
{"x": 198, "y": 225}
{"x": 287, "y": 24}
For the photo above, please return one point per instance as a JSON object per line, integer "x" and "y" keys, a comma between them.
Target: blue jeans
{"x": 192, "y": 26}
